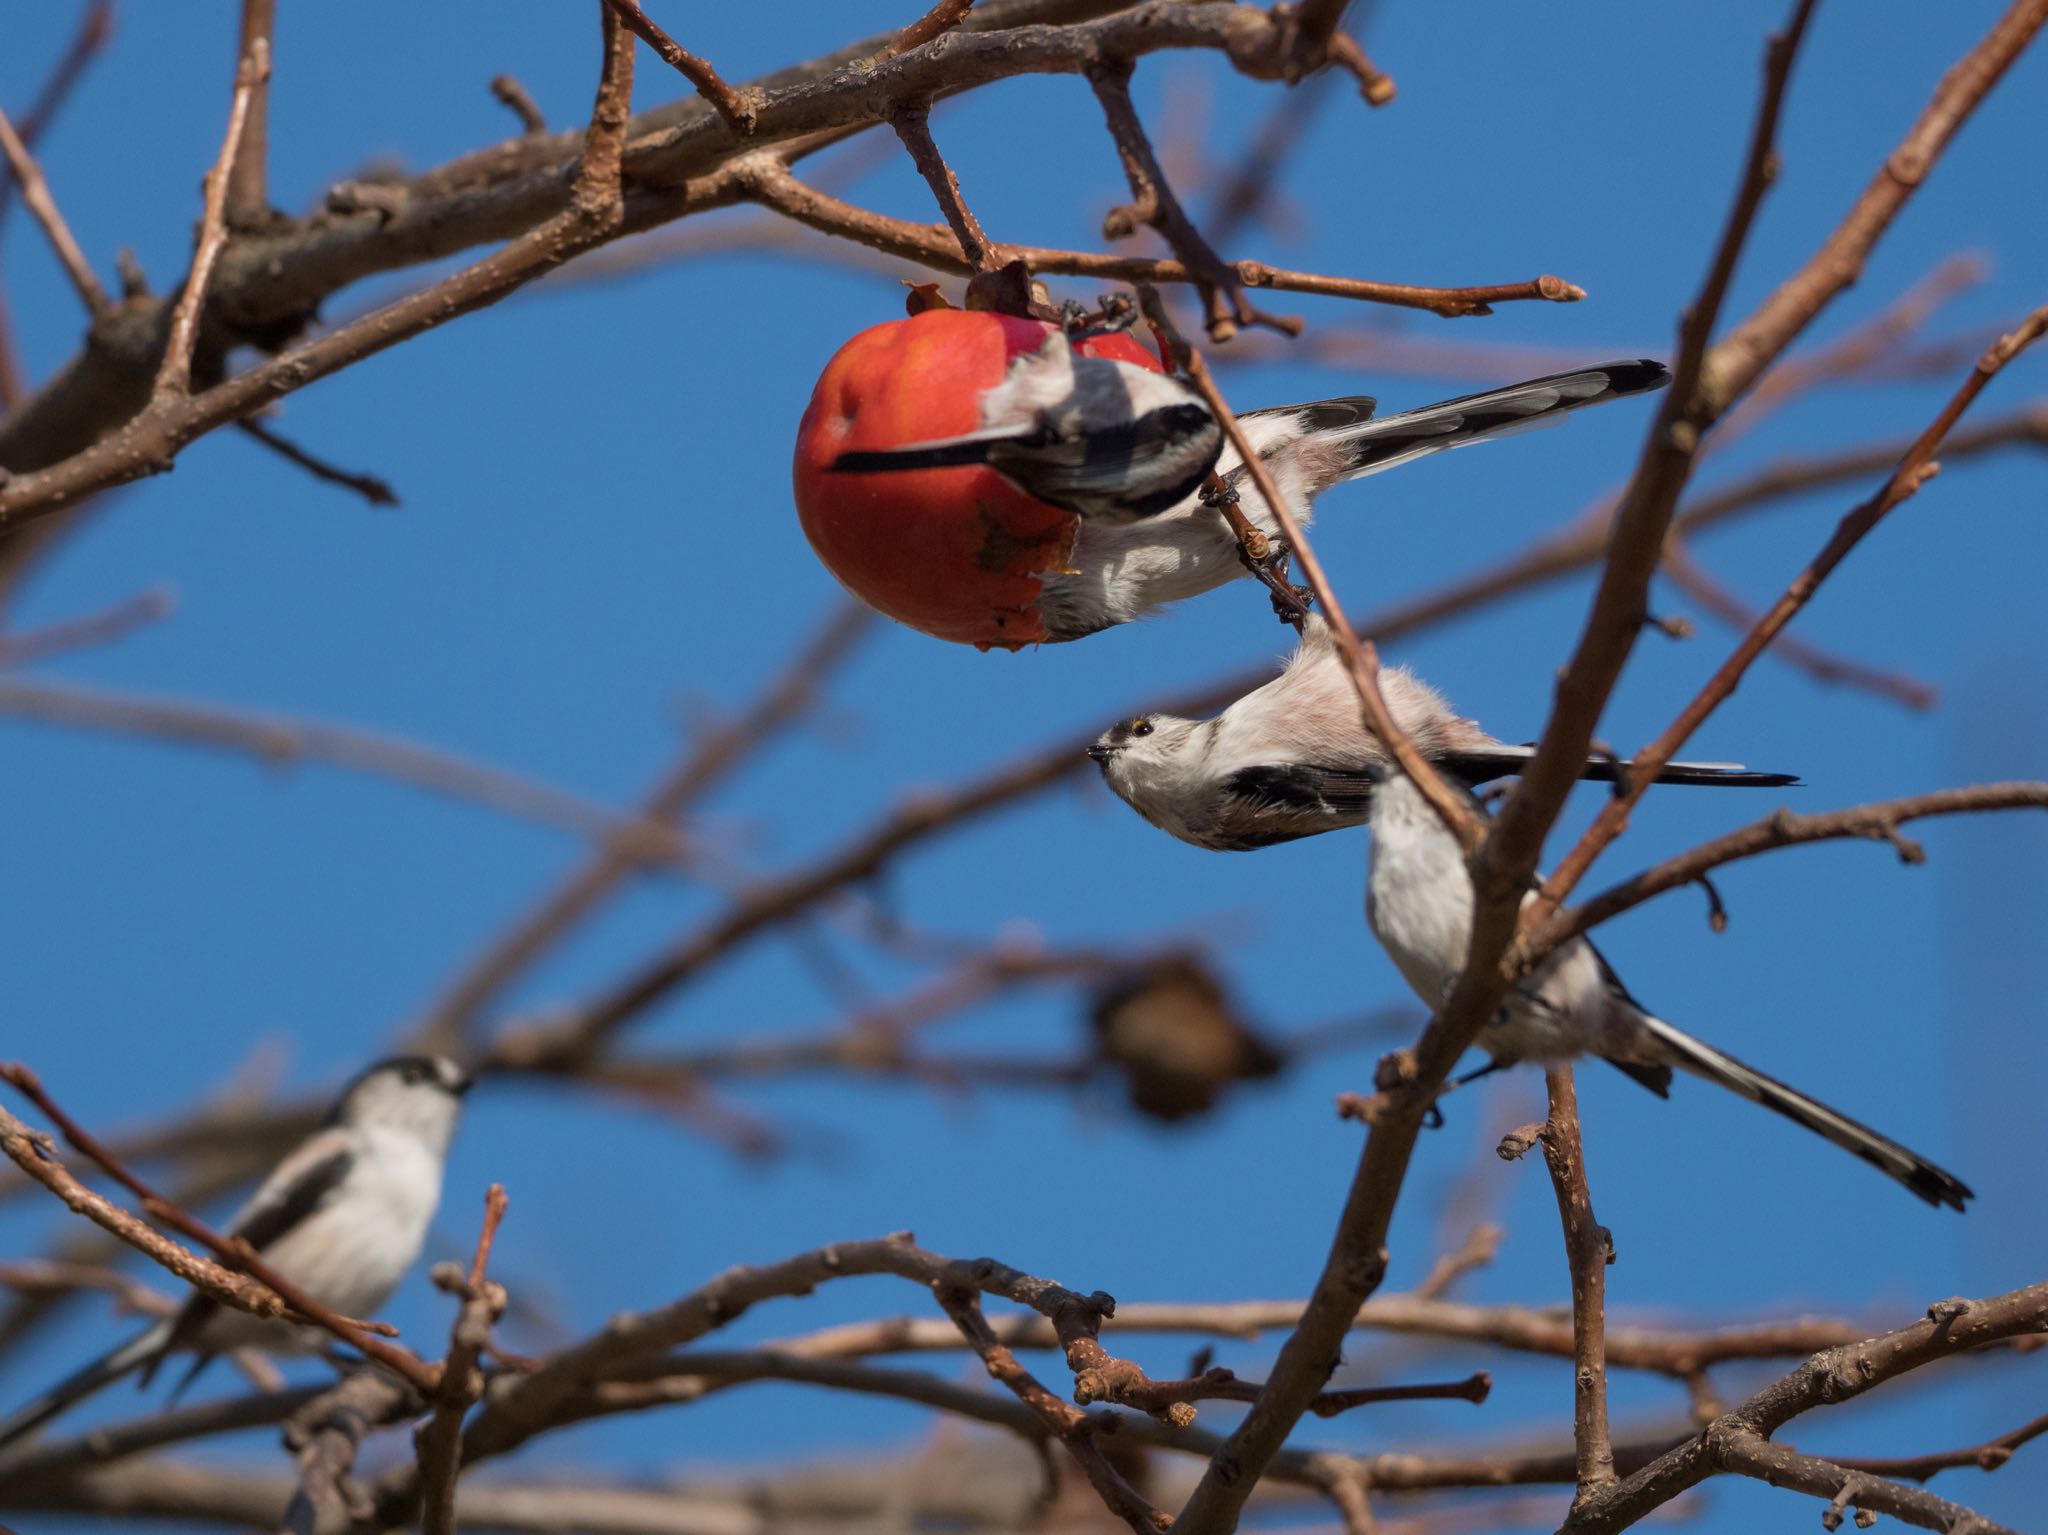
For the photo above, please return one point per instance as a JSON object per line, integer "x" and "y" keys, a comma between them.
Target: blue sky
{"x": 543, "y": 600}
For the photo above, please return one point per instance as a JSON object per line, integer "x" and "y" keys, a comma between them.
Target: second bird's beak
{"x": 1101, "y": 752}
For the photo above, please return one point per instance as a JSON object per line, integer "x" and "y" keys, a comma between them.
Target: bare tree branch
{"x": 252, "y": 73}
{"x": 1914, "y": 469}
{"x": 35, "y": 192}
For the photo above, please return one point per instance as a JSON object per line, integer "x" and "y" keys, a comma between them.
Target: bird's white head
{"x": 417, "y": 1095}
{"x": 1148, "y": 760}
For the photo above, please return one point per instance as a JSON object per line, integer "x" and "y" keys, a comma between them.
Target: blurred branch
{"x": 1988, "y": 1456}
{"x": 283, "y": 742}
{"x": 89, "y": 632}
{"x": 1684, "y": 571}
{"x": 1914, "y": 469}
{"x": 704, "y": 765}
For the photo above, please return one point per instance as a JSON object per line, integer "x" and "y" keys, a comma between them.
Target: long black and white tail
{"x": 1483, "y": 764}
{"x": 103, "y": 1371}
{"x": 1931, "y": 1183}
{"x": 1376, "y": 445}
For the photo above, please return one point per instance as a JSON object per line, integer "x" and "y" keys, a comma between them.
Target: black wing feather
{"x": 260, "y": 1227}
{"x": 1304, "y": 786}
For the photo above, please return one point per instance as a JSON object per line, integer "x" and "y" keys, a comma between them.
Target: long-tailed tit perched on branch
{"x": 1418, "y": 903}
{"x": 986, "y": 479}
{"x": 343, "y": 1217}
{"x": 1296, "y": 757}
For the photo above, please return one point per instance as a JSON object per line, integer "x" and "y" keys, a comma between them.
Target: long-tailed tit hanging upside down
{"x": 1296, "y": 757}
{"x": 343, "y": 1217}
{"x": 985, "y": 479}
{"x": 1418, "y": 903}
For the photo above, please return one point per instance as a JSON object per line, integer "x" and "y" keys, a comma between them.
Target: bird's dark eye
{"x": 1141, "y": 727}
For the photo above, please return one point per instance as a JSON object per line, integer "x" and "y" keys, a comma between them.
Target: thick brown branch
{"x": 252, "y": 73}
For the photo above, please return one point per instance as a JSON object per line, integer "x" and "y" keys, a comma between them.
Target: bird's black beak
{"x": 1101, "y": 753}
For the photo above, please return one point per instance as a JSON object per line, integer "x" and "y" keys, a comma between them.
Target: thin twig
{"x": 252, "y": 73}
{"x": 1877, "y": 822}
{"x": 520, "y": 101}
{"x": 1588, "y": 1251}
{"x": 1914, "y": 469}
{"x": 283, "y": 742}
{"x": 376, "y": 491}
{"x": 943, "y": 17}
{"x": 1988, "y": 1456}
{"x": 438, "y": 1442}
{"x": 1220, "y": 287}
{"x": 1683, "y": 569}
{"x": 235, "y": 1254}
{"x": 35, "y": 192}
{"x": 913, "y": 126}
{"x": 1065, "y": 1423}
{"x": 95, "y": 27}
{"x": 771, "y": 184}
{"x": 737, "y": 107}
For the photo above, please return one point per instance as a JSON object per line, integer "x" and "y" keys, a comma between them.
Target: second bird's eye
{"x": 1141, "y": 727}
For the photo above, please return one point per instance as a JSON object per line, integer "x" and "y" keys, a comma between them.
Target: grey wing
{"x": 1322, "y": 415}
{"x": 1278, "y": 802}
{"x": 300, "y": 1184}
{"x": 1134, "y": 468}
